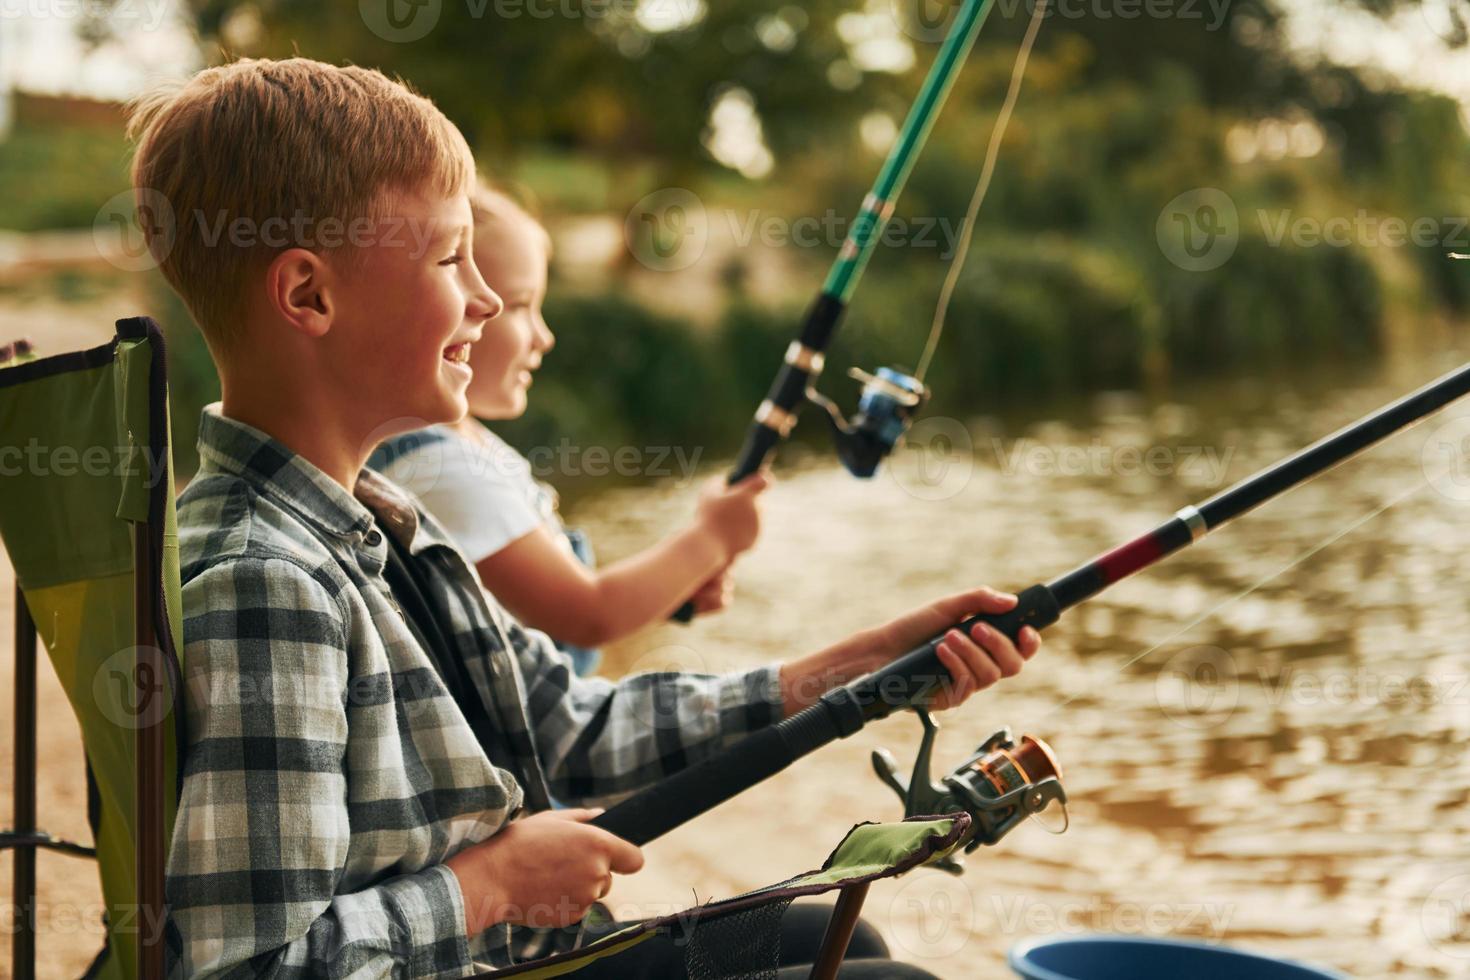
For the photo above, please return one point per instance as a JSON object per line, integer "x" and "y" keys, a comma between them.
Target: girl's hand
{"x": 731, "y": 514}
{"x": 715, "y": 594}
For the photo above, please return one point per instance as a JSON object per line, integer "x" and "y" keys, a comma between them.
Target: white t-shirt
{"x": 480, "y": 489}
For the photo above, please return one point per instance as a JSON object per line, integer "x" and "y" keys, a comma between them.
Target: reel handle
{"x": 908, "y": 680}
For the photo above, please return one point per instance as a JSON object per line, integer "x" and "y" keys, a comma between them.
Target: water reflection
{"x": 1265, "y": 738}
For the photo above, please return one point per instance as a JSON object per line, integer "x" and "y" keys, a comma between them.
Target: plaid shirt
{"x": 328, "y": 773}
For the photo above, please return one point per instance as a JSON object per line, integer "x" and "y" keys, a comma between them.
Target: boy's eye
{"x": 454, "y": 259}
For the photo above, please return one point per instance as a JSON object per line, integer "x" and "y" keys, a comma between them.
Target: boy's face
{"x": 413, "y": 304}
{"x": 512, "y": 258}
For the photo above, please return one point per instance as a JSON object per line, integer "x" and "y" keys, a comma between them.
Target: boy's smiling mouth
{"x": 457, "y": 354}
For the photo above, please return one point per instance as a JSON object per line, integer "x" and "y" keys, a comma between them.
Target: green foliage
{"x": 583, "y": 74}
{"x": 620, "y": 374}
{"x": 1068, "y": 287}
{"x": 192, "y": 380}
{"x": 58, "y": 177}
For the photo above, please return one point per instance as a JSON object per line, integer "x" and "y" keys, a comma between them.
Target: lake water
{"x": 1265, "y": 738}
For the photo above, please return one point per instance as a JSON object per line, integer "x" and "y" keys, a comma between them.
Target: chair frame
{"x": 25, "y": 838}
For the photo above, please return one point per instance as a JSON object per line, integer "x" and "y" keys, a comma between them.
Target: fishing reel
{"x": 1001, "y": 784}
{"x": 885, "y": 411}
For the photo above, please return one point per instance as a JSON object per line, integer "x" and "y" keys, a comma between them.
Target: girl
{"x": 506, "y": 521}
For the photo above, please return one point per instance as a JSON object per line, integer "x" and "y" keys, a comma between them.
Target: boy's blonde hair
{"x": 493, "y": 207}
{"x": 258, "y": 156}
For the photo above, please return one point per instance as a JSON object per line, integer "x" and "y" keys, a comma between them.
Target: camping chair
{"x": 87, "y": 518}
{"x": 95, "y": 550}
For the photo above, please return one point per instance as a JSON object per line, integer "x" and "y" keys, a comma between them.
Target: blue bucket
{"x": 1134, "y": 958}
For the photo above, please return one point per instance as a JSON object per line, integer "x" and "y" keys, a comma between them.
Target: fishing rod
{"x": 908, "y": 681}
{"x": 889, "y": 395}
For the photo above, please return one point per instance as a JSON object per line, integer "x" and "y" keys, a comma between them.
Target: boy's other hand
{"x": 544, "y": 870}
{"x": 974, "y": 661}
{"x": 731, "y": 512}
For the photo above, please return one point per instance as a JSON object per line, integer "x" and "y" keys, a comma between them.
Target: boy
{"x": 363, "y": 721}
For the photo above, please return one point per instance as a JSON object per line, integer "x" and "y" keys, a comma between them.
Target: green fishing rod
{"x": 889, "y": 395}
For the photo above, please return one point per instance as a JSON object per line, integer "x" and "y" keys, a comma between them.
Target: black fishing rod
{"x": 907, "y": 681}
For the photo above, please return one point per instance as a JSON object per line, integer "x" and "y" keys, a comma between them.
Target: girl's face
{"x": 512, "y": 257}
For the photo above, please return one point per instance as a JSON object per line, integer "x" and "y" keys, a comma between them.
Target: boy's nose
{"x": 545, "y": 339}
{"x": 485, "y": 304}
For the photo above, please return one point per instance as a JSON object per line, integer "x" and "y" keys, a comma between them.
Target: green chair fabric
{"x": 868, "y": 852}
{"x": 86, "y": 498}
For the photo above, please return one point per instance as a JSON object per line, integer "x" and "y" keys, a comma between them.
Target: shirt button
{"x": 374, "y": 539}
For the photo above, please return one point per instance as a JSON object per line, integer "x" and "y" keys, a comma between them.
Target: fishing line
{"x": 982, "y": 188}
{"x": 1261, "y": 582}
{"x": 986, "y": 786}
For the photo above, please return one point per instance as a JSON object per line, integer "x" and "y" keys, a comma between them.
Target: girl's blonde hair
{"x": 496, "y": 207}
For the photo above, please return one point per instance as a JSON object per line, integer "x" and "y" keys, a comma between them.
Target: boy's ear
{"x": 297, "y": 287}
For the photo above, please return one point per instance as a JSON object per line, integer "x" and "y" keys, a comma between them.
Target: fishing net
{"x": 744, "y": 945}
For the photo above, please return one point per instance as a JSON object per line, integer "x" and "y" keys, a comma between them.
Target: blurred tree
{"x": 632, "y": 83}
{"x": 1128, "y": 105}
{"x": 627, "y": 80}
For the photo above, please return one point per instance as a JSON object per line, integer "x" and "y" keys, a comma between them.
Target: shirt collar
{"x": 228, "y": 445}
{"x": 395, "y": 510}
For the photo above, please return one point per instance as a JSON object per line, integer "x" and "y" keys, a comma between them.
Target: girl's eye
{"x": 454, "y": 259}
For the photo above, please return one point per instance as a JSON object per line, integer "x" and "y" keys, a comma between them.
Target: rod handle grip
{"x": 909, "y": 680}
{"x": 758, "y": 445}
{"x": 679, "y": 798}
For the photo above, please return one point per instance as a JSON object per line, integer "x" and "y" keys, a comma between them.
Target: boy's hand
{"x": 974, "y": 662}
{"x": 544, "y": 870}
{"x": 732, "y": 513}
